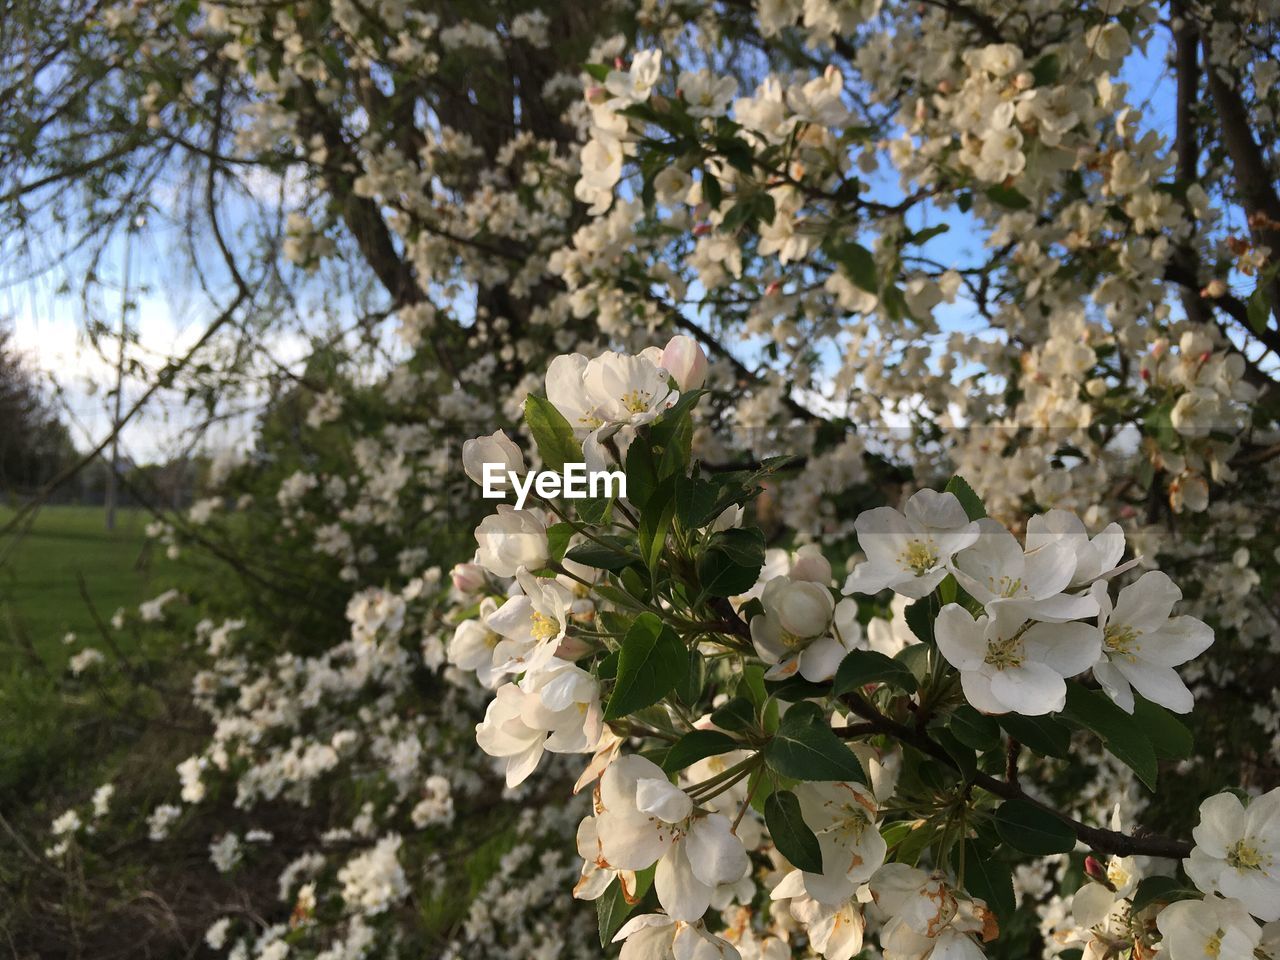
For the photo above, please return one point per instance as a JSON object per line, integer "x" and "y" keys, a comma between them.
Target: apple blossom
{"x": 1142, "y": 643}
{"x": 998, "y": 573}
{"x": 557, "y": 709}
{"x": 511, "y": 540}
{"x": 635, "y": 85}
{"x": 684, "y": 359}
{"x": 791, "y": 633}
{"x": 642, "y": 819}
{"x": 532, "y": 624}
{"x": 654, "y": 936}
{"x": 1009, "y": 664}
{"x": 1211, "y": 927}
{"x": 1095, "y": 557}
{"x": 1237, "y": 852}
{"x": 843, "y": 816}
{"x": 497, "y": 448}
{"x": 908, "y": 552}
{"x": 926, "y": 918}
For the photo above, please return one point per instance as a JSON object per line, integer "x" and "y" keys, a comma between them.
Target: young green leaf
{"x": 1168, "y": 735}
{"x": 860, "y": 667}
{"x": 973, "y": 728}
{"x": 1043, "y": 735}
{"x": 552, "y": 433}
{"x": 1160, "y": 890}
{"x": 987, "y": 878}
{"x": 971, "y": 502}
{"x": 805, "y": 748}
{"x": 697, "y": 745}
{"x": 1121, "y": 735}
{"x": 613, "y": 906}
{"x": 651, "y": 663}
{"x": 1028, "y": 828}
{"x": 732, "y": 562}
{"x": 791, "y": 835}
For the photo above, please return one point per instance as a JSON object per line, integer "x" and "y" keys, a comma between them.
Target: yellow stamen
{"x": 544, "y": 628}
{"x": 919, "y": 557}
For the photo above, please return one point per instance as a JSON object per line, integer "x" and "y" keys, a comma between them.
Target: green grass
{"x": 49, "y": 732}
{"x": 40, "y": 574}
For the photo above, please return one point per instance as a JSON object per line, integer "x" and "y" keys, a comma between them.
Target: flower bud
{"x": 1095, "y": 871}
{"x": 803, "y": 608}
{"x": 811, "y": 565}
{"x": 683, "y": 359}
{"x": 498, "y": 449}
{"x": 511, "y": 539}
{"x": 468, "y": 577}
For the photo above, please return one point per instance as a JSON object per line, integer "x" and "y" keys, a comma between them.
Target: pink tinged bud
{"x": 618, "y": 63}
{"x": 595, "y": 94}
{"x": 773, "y": 288}
{"x": 1095, "y": 871}
{"x": 468, "y": 577}
{"x": 684, "y": 359}
{"x": 701, "y": 229}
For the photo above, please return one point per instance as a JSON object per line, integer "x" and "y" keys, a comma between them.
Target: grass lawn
{"x": 39, "y": 574}
{"x": 43, "y": 727}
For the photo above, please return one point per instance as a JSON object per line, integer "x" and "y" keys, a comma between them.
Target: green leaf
{"x": 655, "y": 522}
{"x": 1043, "y": 735}
{"x": 1160, "y": 890}
{"x": 920, "y": 616}
{"x": 1046, "y": 70}
{"x": 738, "y": 713}
{"x": 732, "y": 562}
{"x": 711, "y": 191}
{"x": 612, "y": 907}
{"x": 805, "y": 748}
{"x": 593, "y": 510}
{"x": 987, "y": 878}
{"x": 651, "y": 663}
{"x": 861, "y": 667}
{"x": 791, "y": 835}
{"x": 1117, "y": 730}
{"x": 1008, "y": 197}
{"x": 611, "y": 553}
{"x": 597, "y": 71}
{"x": 697, "y": 745}
{"x": 966, "y": 761}
{"x": 689, "y": 689}
{"x": 858, "y": 265}
{"x": 552, "y": 433}
{"x": 1258, "y": 308}
{"x": 558, "y": 536}
{"x": 1168, "y": 735}
{"x": 642, "y": 472}
{"x": 1026, "y": 827}
{"x": 695, "y": 502}
{"x": 971, "y": 502}
{"x": 973, "y": 728}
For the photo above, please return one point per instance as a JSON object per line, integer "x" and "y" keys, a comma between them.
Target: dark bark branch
{"x": 1253, "y": 177}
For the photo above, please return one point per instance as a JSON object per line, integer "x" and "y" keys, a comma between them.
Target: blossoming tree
{"x": 959, "y": 316}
